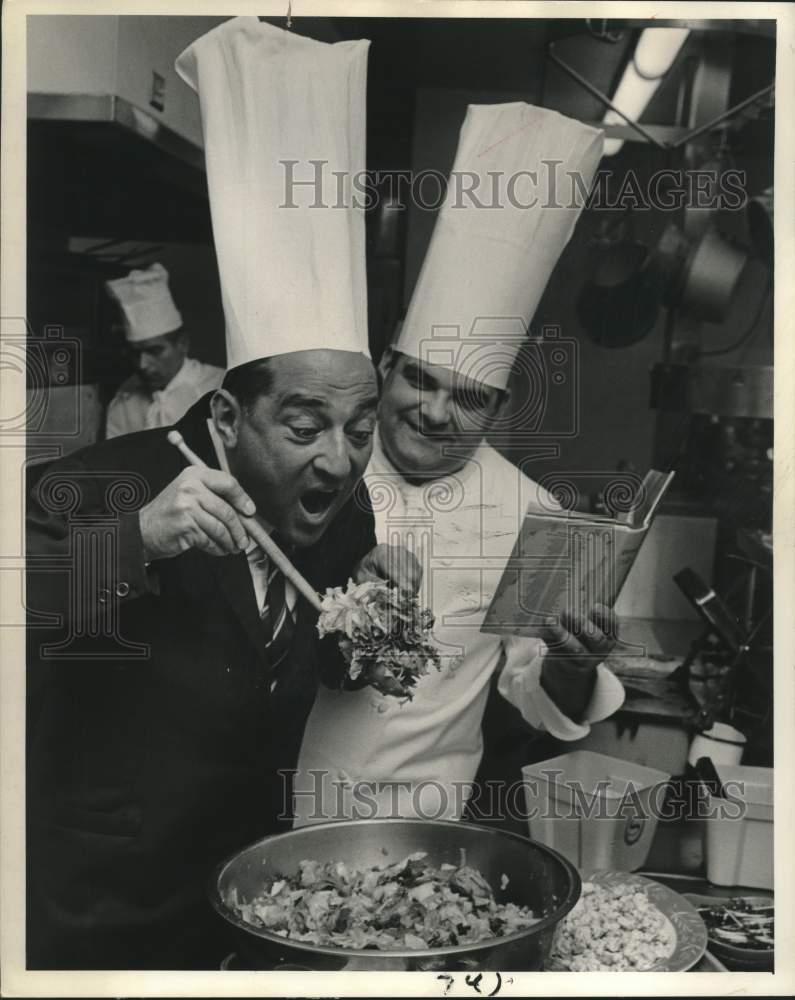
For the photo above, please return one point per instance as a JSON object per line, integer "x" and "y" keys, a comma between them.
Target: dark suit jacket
{"x": 154, "y": 739}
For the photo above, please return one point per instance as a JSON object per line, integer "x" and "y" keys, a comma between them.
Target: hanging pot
{"x": 618, "y": 306}
{"x": 711, "y": 276}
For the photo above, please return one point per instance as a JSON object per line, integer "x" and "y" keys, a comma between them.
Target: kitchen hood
{"x": 114, "y": 136}
{"x": 113, "y": 110}
{"x": 117, "y": 70}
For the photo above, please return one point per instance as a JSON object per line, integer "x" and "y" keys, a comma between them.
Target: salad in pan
{"x": 409, "y": 904}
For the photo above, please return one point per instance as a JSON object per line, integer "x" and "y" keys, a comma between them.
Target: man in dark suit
{"x": 159, "y": 720}
{"x": 171, "y": 665}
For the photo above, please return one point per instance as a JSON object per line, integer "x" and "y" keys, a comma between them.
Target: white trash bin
{"x": 738, "y": 833}
{"x": 599, "y": 812}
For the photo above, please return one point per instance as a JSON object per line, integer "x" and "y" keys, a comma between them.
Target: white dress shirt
{"x": 134, "y": 408}
{"x": 462, "y": 527}
{"x": 259, "y": 567}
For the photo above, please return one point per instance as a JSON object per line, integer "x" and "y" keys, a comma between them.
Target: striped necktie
{"x": 277, "y": 621}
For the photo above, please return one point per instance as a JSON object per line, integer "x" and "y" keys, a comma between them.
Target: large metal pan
{"x": 537, "y": 877}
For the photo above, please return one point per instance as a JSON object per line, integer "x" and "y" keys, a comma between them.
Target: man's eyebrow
{"x": 301, "y": 399}
{"x": 417, "y": 371}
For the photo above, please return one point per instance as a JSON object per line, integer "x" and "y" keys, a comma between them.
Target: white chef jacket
{"x": 134, "y": 408}
{"x": 425, "y": 753}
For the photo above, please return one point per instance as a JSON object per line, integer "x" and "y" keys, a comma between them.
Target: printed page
{"x": 561, "y": 564}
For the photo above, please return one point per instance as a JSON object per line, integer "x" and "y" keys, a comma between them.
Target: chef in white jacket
{"x": 439, "y": 489}
{"x": 166, "y": 382}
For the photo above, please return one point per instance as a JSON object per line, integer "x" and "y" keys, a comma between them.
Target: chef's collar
{"x": 184, "y": 370}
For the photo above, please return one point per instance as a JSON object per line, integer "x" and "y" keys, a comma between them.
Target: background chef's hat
{"x": 292, "y": 275}
{"x": 493, "y": 249}
{"x": 146, "y": 302}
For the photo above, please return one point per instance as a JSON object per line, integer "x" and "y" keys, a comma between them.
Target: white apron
{"x": 424, "y": 754}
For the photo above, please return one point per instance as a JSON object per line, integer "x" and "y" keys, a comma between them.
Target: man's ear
{"x": 227, "y": 415}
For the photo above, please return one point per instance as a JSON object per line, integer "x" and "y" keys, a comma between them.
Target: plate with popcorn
{"x": 624, "y": 922}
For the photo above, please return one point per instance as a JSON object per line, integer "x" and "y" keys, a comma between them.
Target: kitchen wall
{"x": 193, "y": 277}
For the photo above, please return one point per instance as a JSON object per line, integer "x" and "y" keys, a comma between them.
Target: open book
{"x": 569, "y": 561}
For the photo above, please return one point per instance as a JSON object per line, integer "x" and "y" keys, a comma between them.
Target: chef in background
{"x": 166, "y": 382}
{"x": 437, "y": 486}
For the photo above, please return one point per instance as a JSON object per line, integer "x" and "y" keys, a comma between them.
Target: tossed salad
{"x": 409, "y": 904}
{"x": 385, "y": 635}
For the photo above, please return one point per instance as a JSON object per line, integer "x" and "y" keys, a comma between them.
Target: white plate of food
{"x": 628, "y": 923}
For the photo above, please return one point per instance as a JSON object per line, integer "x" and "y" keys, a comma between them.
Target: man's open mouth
{"x": 316, "y": 503}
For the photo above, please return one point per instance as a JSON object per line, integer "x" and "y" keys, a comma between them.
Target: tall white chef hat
{"x": 146, "y": 303}
{"x": 279, "y": 108}
{"x": 509, "y": 210}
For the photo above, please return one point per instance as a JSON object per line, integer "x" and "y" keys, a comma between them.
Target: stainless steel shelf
{"x": 109, "y": 109}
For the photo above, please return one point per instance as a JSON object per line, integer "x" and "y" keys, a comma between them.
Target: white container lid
{"x": 756, "y": 782}
{"x": 594, "y": 773}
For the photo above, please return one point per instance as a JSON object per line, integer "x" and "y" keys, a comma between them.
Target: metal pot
{"x": 711, "y": 276}
{"x": 618, "y": 306}
{"x": 538, "y": 877}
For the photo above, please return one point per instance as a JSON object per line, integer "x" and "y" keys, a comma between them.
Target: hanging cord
{"x": 289, "y": 14}
{"x": 749, "y": 331}
{"x": 599, "y": 28}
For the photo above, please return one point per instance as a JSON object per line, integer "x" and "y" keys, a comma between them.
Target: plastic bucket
{"x": 599, "y": 812}
{"x": 738, "y": 833}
